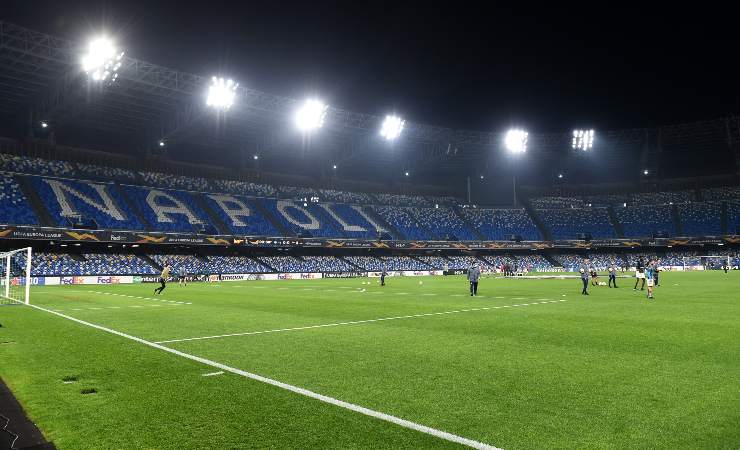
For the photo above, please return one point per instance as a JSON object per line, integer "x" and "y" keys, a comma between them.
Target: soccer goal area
{"x": 15, "y": 269}
{"x": 706, "y": 262}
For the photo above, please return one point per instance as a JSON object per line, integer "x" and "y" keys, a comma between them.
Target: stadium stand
{"x": 435, "y": 262}
{"x": 166, "y": 210}
{"x": 556, "y": 202}
{"x": 443, "y": 223}
{"x": 46, "y": 264}
{"x": 36, "y": 166}
{"x": 68, "y": 200}
{"x": 719, "y": 194}
{"x": 104, "y": 173}
{"x": 464, "y": 262}
{"x": 292, "y": 192}
{"x": 500, "y": 224}
{"x": 235, "y": 264}
{"x": 192, "y": 264}
{"x": 664, "y": 198}
{"x": 245, "y": 188}
{"x": 240, "y": 215}
{"x": 639, "y": 221}
{"x": 358, "y": 198}
{"x": 170, "y": 181}
{"x": 350, "y": 220}
{"x": 403, "y": 263}
{"x": 14, "y": 208}
{"x": 534, "y": 263}
{"x": 701, "y": 219}
{"x": 733, "y": 217}
{"x": 605, "y": 200}
{"x": 307, "y": 264}
{"x": 403, "y": 219}
{"x": 402, "y": 200}
{"x": 568, "y": 223}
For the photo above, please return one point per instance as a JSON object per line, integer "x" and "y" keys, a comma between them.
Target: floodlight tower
{"x": 583, "y": 140}
{"x": 516, "y": 140}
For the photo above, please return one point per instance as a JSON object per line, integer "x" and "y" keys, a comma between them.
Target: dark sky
{"x": 457, "y": 65}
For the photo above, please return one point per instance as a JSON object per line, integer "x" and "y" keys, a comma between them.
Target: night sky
{"x": 455, "y": 65}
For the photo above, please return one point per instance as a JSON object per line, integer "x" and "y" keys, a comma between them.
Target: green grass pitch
{"x": 534, "y": 365}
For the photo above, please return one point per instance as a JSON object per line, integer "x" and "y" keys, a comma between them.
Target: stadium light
{"x": 334, "y": 167}
{"x": 161, "y": 143}
{"x": 102, "y": 60}
{"x": 406, "y": 173}
{"x": 310, "y": 116}
{"x": 646, "y": 172}
{"x": 221, "y": 93}
{"x": 392, "y": 127}
{"x": 583, "y": 139}
{"x": 481, "y": 177}
{"x": 256, "y": 157}
{"x": 516, "y": 140}
{"x": 44, "y": 124}
{"x": 560, "y": 175}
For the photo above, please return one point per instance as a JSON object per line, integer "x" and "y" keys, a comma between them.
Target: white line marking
{"x": 353, "y": 322}
{"x": 289, "y": 387}
{"x": 428, "y": 294}
{"x": 213, "y": 374}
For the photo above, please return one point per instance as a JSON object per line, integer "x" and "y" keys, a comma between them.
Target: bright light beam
{"x": 392, "y": 128}
{"x": 221, "y": 93}
{"x": 583, "y": 139}
{"x": 102, "y": 60}
{"x": 310, "y": 116}
{"x": 516, "y": 140}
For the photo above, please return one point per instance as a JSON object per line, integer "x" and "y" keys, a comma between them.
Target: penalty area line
{"x": 288, "y": 387}
{"x": 356, "y": 322}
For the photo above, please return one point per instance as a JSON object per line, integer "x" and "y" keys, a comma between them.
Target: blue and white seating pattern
{"x": 567, "y": 223}
{"x": 723, "y": 193}
{"x": 295, "y": 193}
{"x": 443, "y": 223}
{"x": 402, "y": 200}
{"x": 176, "y": 181}
{"x": 500, "y": 224}
{"x": 245, "y": 188}
{"x": 240, "y": 215}
{"x": 464, "y": 262}
{"x": 640, "y": 221}
{"x": 191, "y": 264}
{"x": 403, "y": 219}
{"x": 556, "y": 202}
{"x": 402, "y": 263}
{"x": 370, "y": 263}
{"x": 56, "y": 264}
{"x": 701, "y": 219}
{"x": 435, "y": 262}
{"x": 37, "y": 166}
{"x": 235, "y": 264}
{"x": 664, "y": 197}
{"x": 14, "y": 208}
{"x": 356, "y": 198}
{"x": 74, "y": 200}
{"x": 105, "y": 173}
{"x": 733, "y": 217}
{"x": 167, "y": 210}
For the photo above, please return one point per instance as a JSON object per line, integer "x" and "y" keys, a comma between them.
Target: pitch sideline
{"x": 289, "y": 387}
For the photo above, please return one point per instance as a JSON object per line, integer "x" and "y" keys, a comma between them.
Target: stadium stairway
{"x": 270, "y": 218}
{"x": 149, "y": 260}
{"x": 468, "y": 224}
{"x": 264, "y": 263}
{"x": 429, "y": 266}
{"x": 537, "y": 221}
{"x": 220, "y": 225}
{"x": 34, "y": 201}
{"x": 615, "y": 222}
{"x": 677, "y": 224}
{"x": 362, "y": 269}
{"x": 134, "y": 207}
{"x": 551, "y": 260}
{"x": 380, "y": 221}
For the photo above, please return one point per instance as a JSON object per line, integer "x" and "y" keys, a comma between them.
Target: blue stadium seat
{"x": 14, "y": 208}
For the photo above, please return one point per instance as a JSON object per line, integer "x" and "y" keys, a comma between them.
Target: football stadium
{"x": 190, "y": 260}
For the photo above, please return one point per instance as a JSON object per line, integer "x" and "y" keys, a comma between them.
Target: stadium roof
{"x": 40, "y": 79}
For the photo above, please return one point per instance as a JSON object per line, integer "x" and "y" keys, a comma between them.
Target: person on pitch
{"x": 640, "y": 274}
{"x": 163, "y": 280}
{"x": 584, "y": 277}
{"x": 612, "y": 275}
{"x": 382, "y": 276}
{"x": 473, "y": 277}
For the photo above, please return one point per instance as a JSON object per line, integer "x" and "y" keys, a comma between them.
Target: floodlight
{"x": 102, "y": 60}
{"x": 481, "y": 177}
{"x": 334, "y": 167}
{"x": 583, "y": 139}
{"x": 645, "y": 172}
{"x": 516, "y": 140}
{"x": 560, "y": 175}
{"x": 256, "y": 157}
{"x": 161, "y": 143}
{"x": 221, "y": 93}
{"x": 406, "y": 173}
{"x": 44, "y": 124}
{"x": 310, "y": 116}
{"x": 392, "y": 127}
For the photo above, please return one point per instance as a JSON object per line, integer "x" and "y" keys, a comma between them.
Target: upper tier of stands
{"x": 36, "y": 191}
